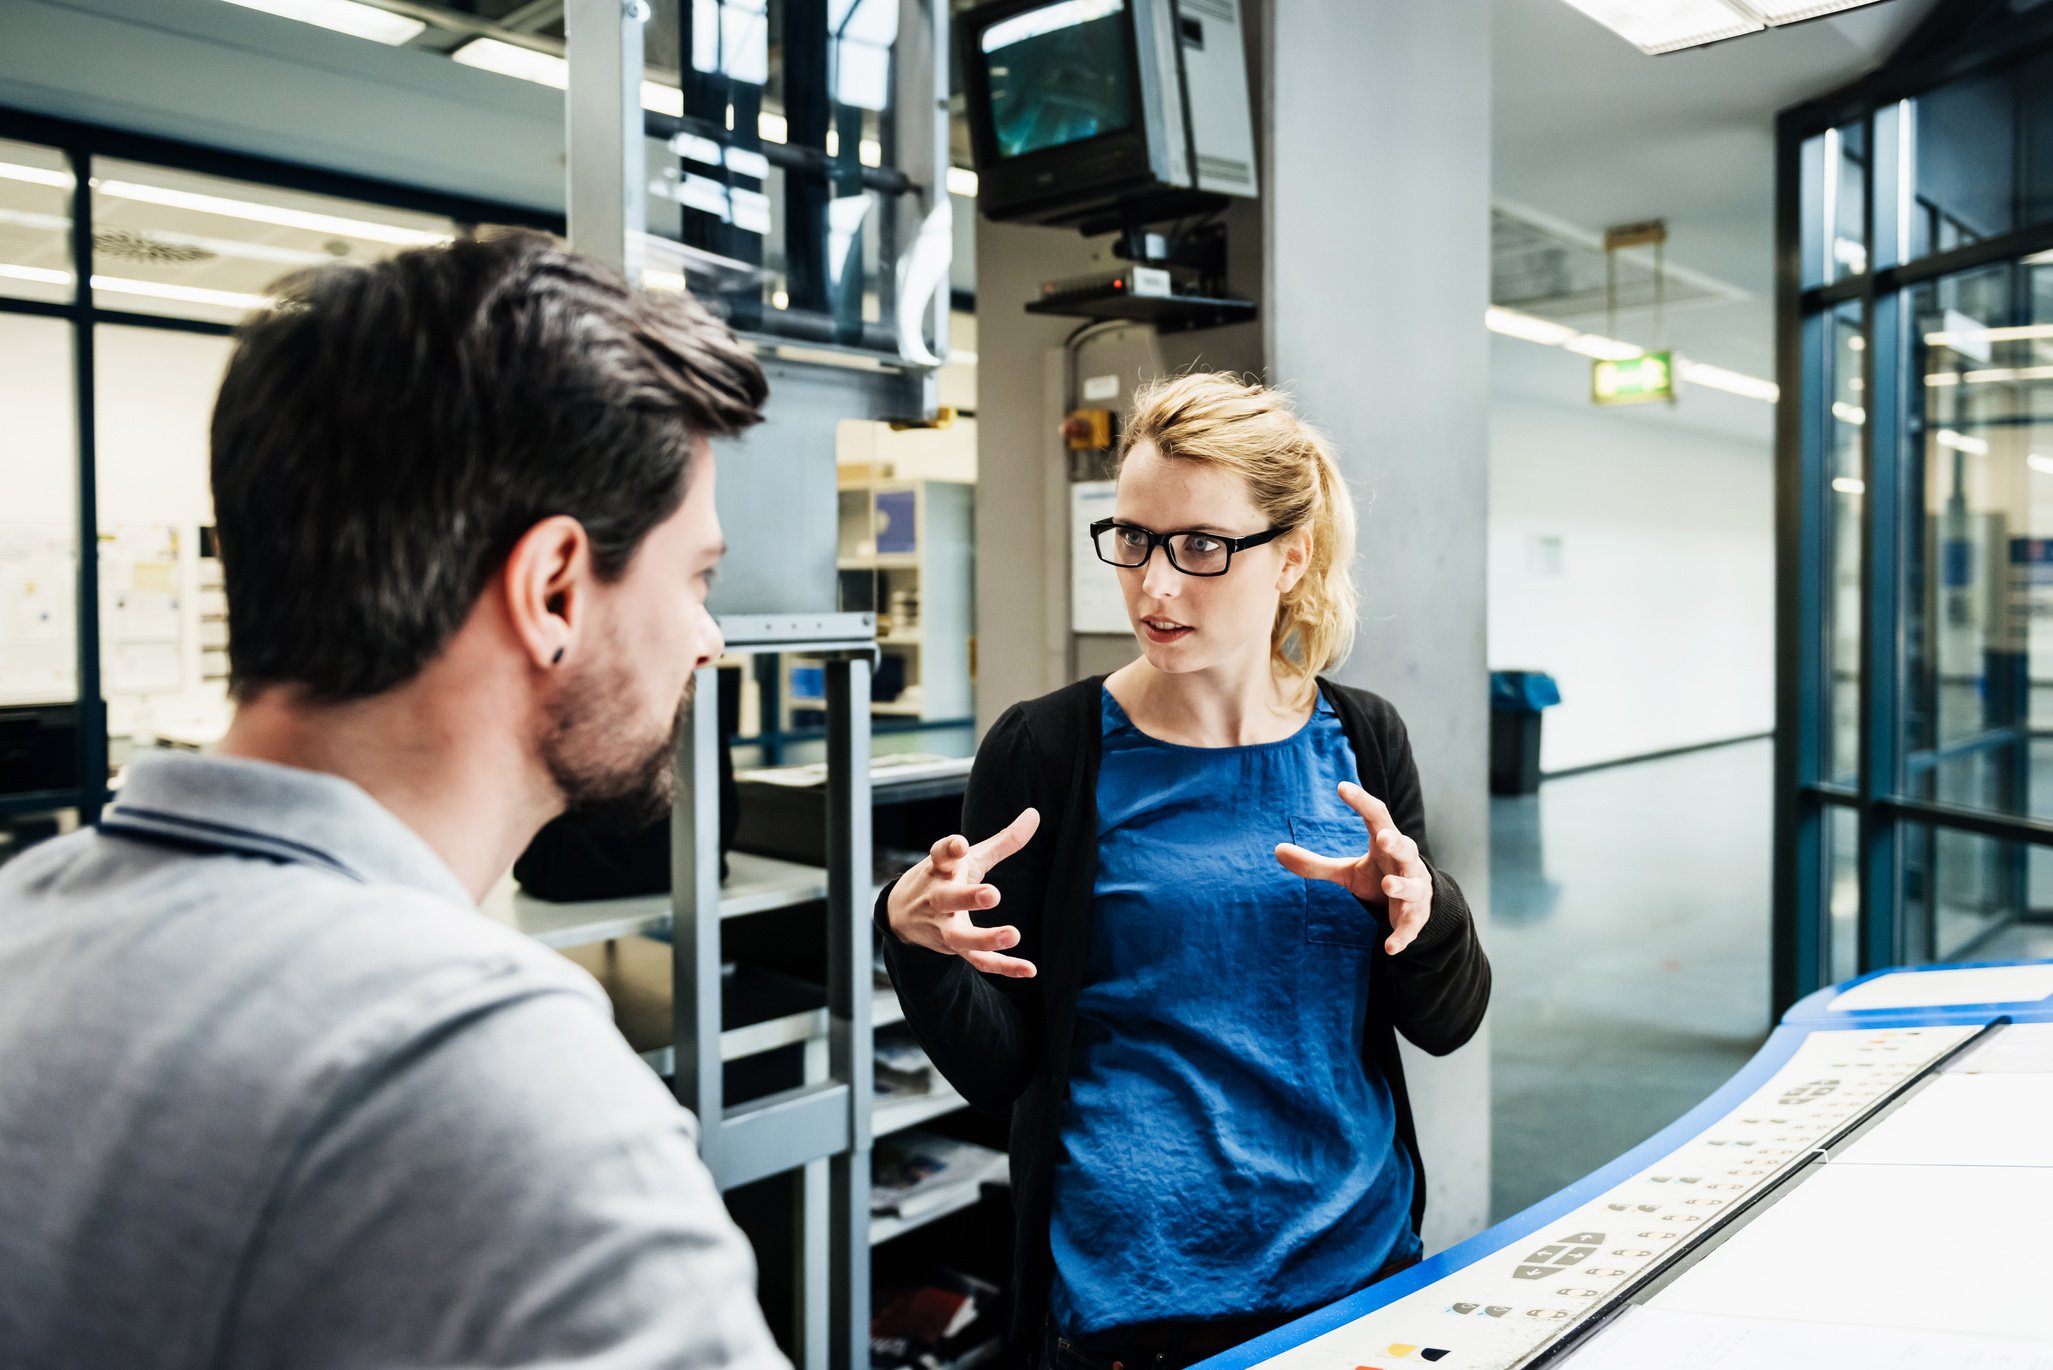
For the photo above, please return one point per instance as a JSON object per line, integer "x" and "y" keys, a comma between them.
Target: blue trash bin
{"x": 1516, "y": 699}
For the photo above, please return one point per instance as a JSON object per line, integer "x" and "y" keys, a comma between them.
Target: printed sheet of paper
{"x": 1960, "y": 1120}
{"x": 2013, "y": 1049}
{"x": 1935, "y": 1248}
{"x": 1932, "y": 988}
{"x": 1644, "y": 1337}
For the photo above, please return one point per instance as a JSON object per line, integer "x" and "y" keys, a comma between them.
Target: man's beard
{"x": 608, "y": 782}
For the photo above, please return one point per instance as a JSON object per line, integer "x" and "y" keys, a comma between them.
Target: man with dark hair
{"x": 272, "y": 1091}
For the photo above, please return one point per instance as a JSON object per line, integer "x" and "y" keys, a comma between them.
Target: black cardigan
{"x": 1005, "y": 1043}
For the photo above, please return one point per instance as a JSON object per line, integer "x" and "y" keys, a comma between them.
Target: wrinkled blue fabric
{"x": 1225, "y": 1150}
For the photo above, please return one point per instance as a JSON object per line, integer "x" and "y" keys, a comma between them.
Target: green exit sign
{"x": 1636, "y": 380}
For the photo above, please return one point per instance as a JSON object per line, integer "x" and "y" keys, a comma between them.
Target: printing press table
{"x": 1874, "y": 1189}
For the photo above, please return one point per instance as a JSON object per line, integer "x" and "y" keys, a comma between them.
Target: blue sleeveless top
{"x": 1224, "y": 1149}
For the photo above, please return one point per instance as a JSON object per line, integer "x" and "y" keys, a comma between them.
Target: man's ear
{"x": 547, "y": 587}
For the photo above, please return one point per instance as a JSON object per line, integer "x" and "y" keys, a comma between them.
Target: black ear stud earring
{"x": 557, "y": 660}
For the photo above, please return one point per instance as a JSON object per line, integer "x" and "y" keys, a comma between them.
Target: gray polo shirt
{"x": 274, "y": 1093}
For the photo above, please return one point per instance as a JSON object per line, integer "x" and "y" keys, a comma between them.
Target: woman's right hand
{"x": 930, "y": 906}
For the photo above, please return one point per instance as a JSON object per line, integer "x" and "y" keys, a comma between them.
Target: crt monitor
{"x": 1088, "y": 110}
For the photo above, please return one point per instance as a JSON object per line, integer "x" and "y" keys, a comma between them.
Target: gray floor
{"x": 1629, "y": 936}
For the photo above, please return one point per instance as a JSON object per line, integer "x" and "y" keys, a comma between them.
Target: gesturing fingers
{"x": 945, "y": 854}
{"x": 1398, "y": 853}
{"x": 984, "y": 947}
{"x": 1406, "y": 889}
{"x": 993, "y": 964}
{"x": 1007, "y": 840}
{"x": 962, "y": 936}
{"x": 1408, "y": 918}
{"x": 1374, "y": 811}
{"x": 1312, "y": 866}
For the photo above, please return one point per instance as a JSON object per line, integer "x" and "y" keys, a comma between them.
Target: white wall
{"x": 1632, "y": 555}
{"x": 38, "y": 525}
{"x": 155, "y": 396}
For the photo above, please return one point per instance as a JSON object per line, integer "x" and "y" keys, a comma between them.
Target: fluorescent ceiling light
{"x": 663, "y": 99}
{"x": 156, "y": 290}
{"x": 771, "y": 128}
{"x": 1513, "y": 323}
{"x": 41, "y": 275}
{"x": 1849, "y": 413}
{"x": 1603, "y": 349}
{"x": 1961, "y": 442}
{"x": 191, "y": 294}
{"x": 1857, "y": 343}
{"x": 280, "y": 215}
{"x": 547, "y": 69}
{"x": 343, "y": 16}
{"x": 1849, "y": 485}
{"x": 510, "y": 59}
{"x": 962, "y": 181}
{"x": 2011, "y": 373}
{"x": 1656, "y": 26}
{"x": 1731, "y": 382}
{"x": 2043, "y": 465}
{"x": 35, "y": 175}
{"x": 1955, "y": 337}
{"x": 655, "y": 279}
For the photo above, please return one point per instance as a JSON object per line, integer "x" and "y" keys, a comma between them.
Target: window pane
{"x": 1960, "y": 889}
{"x": 1980, "y": 606}
{"x": 1842, "y": 894}
{"x": 200, "y": 247}
{"x": 1845, "y": 420}
{"x": 38, "y": 558}
{"x": 163, "y": 624}
{"x": 1846, "y": 171}
{"x": 1984, "y": 163}
{"x": 35, "y": 223}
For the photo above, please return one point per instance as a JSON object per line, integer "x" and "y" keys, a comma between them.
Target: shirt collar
{"x": 257, "y": 808}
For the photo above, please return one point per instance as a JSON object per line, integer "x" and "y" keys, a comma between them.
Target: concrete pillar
{"x": 1376, "y": 182}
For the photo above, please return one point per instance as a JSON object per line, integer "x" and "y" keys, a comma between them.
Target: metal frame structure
{"x": 1960, "y": 40}
{"x": 821, "y": 1131}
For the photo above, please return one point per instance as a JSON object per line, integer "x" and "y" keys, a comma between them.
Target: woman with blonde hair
{"x": 1191, "y": 1007}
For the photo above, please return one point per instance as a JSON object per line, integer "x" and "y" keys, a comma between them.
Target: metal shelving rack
{"x": 824, "y": 1126}
{"x": 821, "y": 1130}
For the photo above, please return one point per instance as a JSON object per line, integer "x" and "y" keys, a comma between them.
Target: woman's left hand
{"x": 1390, "y": 872}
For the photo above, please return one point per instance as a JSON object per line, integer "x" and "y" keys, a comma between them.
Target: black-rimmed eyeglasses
{"x": 1191, "y": 552}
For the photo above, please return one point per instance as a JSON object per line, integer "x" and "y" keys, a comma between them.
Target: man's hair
{"x": 386, "y": 434}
